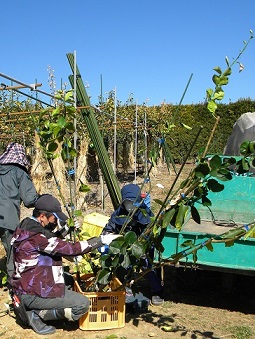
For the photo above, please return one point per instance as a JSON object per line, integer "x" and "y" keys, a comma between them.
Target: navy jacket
{"x": 140, "y": 219}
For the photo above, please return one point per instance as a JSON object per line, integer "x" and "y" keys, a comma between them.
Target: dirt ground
{"x": 198, "y": 304}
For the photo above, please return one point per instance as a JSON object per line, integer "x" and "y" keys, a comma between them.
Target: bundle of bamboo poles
{"x": 95, "y": 134}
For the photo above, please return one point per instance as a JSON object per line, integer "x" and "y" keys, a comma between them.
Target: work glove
{"x": 61, "y": 230}
{"x": 77, "y": 223}
{"x": 108, "y": 238}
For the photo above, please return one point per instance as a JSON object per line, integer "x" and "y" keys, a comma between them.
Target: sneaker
{"x": 157, "y": 301}
{"x": 38, "y": 325}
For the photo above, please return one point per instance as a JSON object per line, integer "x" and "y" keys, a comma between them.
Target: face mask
{"x": 128, "y": 204}
{"x": 51, "y": 226}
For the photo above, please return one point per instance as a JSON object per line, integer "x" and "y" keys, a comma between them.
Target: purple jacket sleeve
{"x": 56, "y": 246}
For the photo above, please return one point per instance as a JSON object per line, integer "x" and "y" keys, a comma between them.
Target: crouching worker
{"x": 38, "y": 280}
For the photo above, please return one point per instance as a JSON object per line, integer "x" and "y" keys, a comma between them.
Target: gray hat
{"x": 48, "y": 203}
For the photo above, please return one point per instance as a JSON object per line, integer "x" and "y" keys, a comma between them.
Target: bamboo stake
{"x": 211, "y": 136}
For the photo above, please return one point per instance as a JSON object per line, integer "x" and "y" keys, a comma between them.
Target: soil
{"x": 198, "y": 304}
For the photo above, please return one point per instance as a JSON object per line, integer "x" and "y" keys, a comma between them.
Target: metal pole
{"x": 101, "y": 177}
{"x": 101, "y": 89}
{"x": 75, "y": 119}
{"x": 135, "y": 151}
{"x": 31, "y": 97}
{"x": 145, "y": 143}
{"x": 115, "y": 132}
{"x": 15, "y": 87}
{"x": 32, "y": 86}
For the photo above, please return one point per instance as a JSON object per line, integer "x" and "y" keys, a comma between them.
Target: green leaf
{"x": 116, "y": 261}
{"x": 218, "y": 95}
{"x": 183, "y": 209}
{"x": 224, "y": 177}
{"x": 72, "y": 152}
{"x": 130, "y": 237}
{"x": 168, "y": 217}
{"x": 216, "y": 79}
{"x": 245, "y": 164}
{"x": 186, "y": 126}
{"x": 111, "y": 336}
{"x": 209, "y": 246}
{"x": 167, "y": 328}
{"x": 209, "y": 93}
{"x": 56, "y": 111}
{"x": 252, "y": 147}
{"x": 52, "y": 147}
{"x": 233, "y": 233}
{"x": 244, "y": 148}
{"x": 227, "y": 72}
{"x": 212, "y": 106}
{"x": 56, "y": 130}
{"x": 223, "y": 80}
{"x": 206, "y": 201}
{"x": 223, "y": 171}
{"x": 61, "y": 122}
{"x": 58, "y": 96}
{"x": 214, "y": 186}
{"x": 126, "y": 261}
{"x": 69, "y": 96}
{"x": 202, "y": 168}
{"x": 215, "y": 162}
{"x": 218, "y": 70}
{"x": 194, "y": 256}
{"x": 187, "y": 243}
{"x": 195, "y": 215}
{"x": 70, "y": 126}
{"x": 116, "y": 246}
{"x": 84, "y": 188}
{"x": 77, "y": 213}
{"x": 138, "y": 249}
{"x": 103, "y": 276}
{"x": 229, "y": 243}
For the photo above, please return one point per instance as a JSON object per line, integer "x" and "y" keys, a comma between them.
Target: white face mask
{"x": 128, "y": 204}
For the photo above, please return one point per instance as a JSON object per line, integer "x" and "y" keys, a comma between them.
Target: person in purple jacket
{"x": 38, "y": 279}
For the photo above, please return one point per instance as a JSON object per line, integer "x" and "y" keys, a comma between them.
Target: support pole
{"x": 115, "y": 132}
{"x": 136, "y": 134}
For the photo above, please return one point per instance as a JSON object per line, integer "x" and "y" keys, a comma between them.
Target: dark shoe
{"x": 38, "y": 325}
{"x": 157, "y": 301}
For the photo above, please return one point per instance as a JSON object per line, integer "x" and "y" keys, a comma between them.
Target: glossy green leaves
{"x": 220, "y": 79}
{"x": 124, "y": 252}
{"x": 55, "y": 128}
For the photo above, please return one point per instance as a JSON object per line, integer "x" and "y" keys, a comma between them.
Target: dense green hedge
{"x": 179, "y": 138}
{"x": 164, "y": 121}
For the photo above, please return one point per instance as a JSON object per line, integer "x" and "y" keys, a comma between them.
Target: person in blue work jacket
{"x": 131, "y": 195}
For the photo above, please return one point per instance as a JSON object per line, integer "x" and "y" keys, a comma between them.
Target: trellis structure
{"x": 19, "y": 122}
{"x": 87, "y": 113}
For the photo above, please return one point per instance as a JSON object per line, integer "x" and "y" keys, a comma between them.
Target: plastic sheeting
{"x": 243, "y": 129}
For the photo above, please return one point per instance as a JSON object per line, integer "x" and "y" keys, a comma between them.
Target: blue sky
{"x": 146, "y": 49}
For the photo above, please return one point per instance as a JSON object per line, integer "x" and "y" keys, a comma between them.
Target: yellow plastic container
{"x": 107, "y": 309}
{"x": 93, "y": 224}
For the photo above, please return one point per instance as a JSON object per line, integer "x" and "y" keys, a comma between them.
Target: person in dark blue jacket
{"x": 131, "y": 196}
